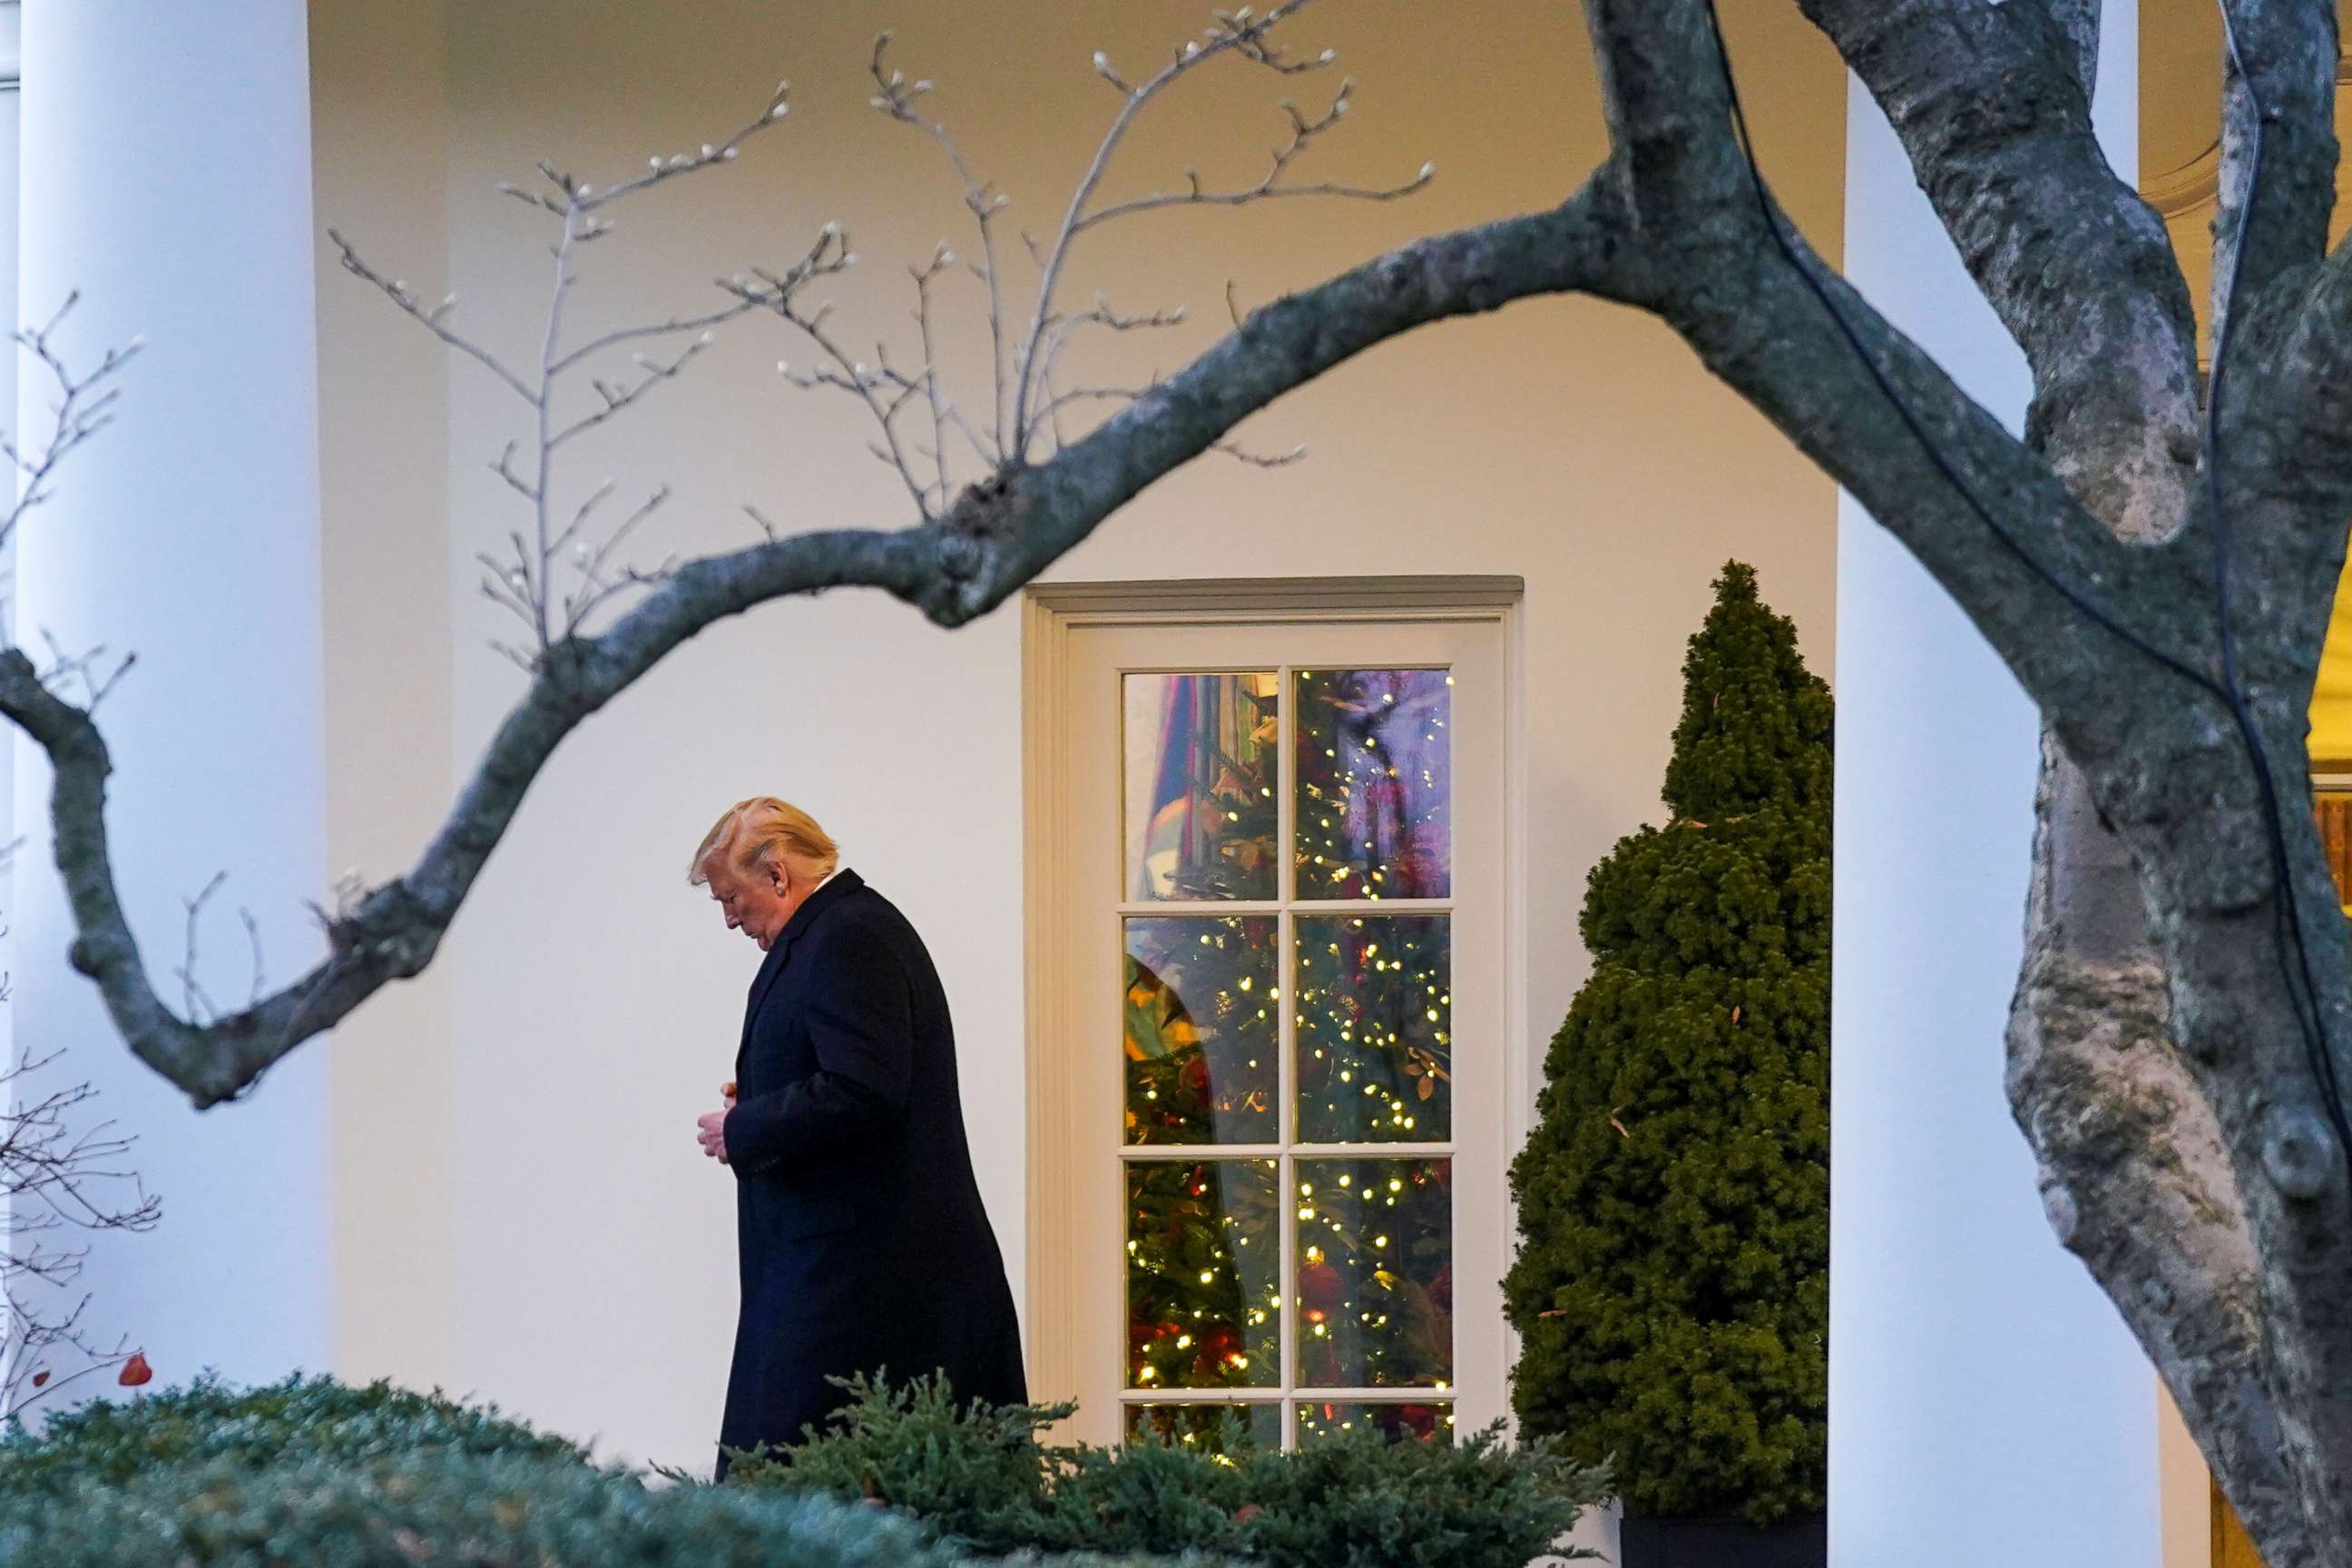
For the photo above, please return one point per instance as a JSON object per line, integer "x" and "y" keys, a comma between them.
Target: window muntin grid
{"x": 1358, "y": 1308}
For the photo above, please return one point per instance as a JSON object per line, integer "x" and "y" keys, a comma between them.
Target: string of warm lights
{"x": 1372, "y": 1017}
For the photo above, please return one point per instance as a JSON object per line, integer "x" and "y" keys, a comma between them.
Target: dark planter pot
{"x": 1723, "y": 1542}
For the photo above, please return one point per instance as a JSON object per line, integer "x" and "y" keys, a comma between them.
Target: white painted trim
{"x": 1045, "y": 650}
{"x": 1290, "y": 598}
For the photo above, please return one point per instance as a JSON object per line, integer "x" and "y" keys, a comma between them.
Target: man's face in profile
{"x": 753, "y": 901}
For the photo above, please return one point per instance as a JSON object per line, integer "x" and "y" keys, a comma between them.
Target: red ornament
{"x": 1319, "y": 1289}
{"x": 1143, "y": 1334}
{"x": 135, "y": 1372}
{"x": 1194, "y": 1076}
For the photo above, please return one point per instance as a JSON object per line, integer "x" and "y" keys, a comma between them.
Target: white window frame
{"x": 1059, "y": 1167}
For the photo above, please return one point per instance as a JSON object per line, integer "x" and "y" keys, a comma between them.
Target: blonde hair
{"x": 761, "y": 831}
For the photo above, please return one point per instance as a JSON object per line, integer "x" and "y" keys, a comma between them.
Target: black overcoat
{"x": 864, "y": 1243}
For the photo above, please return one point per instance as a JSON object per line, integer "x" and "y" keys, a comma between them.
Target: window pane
{"x": 1397, "y": 1423}
{"x": 1202, "y": 1039}
{"x": 1375, "y": 785}
{"x": 1202, "y": 765}
{"x": 1202, "y": 1427}
{"x": 1375, "y": 1034}
{"x": 1375, "y": 1273}
{"x": 1204, "y": 1274}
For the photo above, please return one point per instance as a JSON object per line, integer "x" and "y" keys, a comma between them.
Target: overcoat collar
{"x": 797, "y": 927}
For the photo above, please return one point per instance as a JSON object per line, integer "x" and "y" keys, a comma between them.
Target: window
{"x": 1270, "y": 1022}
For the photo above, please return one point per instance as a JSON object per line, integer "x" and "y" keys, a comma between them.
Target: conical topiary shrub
{"x": 1672, "y": 1284}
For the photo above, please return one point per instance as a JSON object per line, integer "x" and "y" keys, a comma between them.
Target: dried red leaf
{"x": 135, "y": 1372}
{"x": 40, "y": 1377}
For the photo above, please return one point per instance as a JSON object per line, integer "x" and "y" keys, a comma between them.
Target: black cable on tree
{"x": 2303, "y": 990}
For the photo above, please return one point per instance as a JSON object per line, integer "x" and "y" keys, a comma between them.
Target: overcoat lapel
{"x": 797, "y": 927}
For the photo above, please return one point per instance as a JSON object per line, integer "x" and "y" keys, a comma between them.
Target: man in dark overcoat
{"x": 864, "y": 1245}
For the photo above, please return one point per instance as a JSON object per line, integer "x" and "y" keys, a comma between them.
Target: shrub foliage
{"x": 103, "y": 1444}
{"x": 310, "y": 1471}
{"x": 985, "y": 1479}
{"x": 1672, "y": 1282}
{"x": 447, "y": 1507}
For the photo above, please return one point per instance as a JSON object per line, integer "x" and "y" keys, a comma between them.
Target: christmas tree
{"x": 1672, "y": 1283}
{"x": 1371, "y": 997}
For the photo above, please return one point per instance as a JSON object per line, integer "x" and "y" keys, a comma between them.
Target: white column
{"x": 166, "y": 174}
{"x": 11, "y": 146}
{"x": 1986, "y": 1405}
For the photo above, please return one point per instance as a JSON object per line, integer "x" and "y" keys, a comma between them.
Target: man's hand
{"x": 710, "y": 1132}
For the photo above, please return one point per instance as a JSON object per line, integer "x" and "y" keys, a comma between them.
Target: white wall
{"x": 591, "y": 1001}
{"x": 1987, "y": 1404}
{"x": 165, "y": 173}
{"x": 380, "y": 149}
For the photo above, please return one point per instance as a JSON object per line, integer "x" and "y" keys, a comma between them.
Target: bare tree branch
{"x": 995, "y": 537}
{"x": 55, "y": 1179}
{"x": 83, "y": 406}
{"x": 1716, "y": 276}
{"x": 896, "y": 97}
{"x": 1993, "y": 107}
{"x": 1303, "y": 131}
{"x": 2265, "y": 233}
{"x": 526, "y": 586}
{"x": 1240, "y": 32}
{"x": 2077, "y": 22}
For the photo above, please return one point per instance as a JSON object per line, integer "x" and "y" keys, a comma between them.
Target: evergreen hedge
{"x": 310, "y": 1473}
{"x": 983, "y": 1477}
{"x": 445, "y": 1507}
{"x": 106, "y": 1443}
{"x": 1672, "y": 1282}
